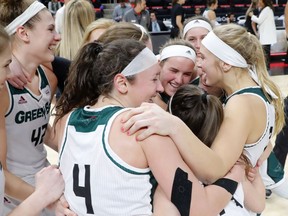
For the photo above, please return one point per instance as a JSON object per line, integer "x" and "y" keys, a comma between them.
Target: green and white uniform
{"x": 26, "y": 122}
{"x": 252, "y": 151}
{"x": 271, "y": 170}
{"x": 97, "y": 180}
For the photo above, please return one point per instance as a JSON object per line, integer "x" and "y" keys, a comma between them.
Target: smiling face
{"x": 211, "y": 73}
{"x": 5, "y": 60}
{"x": 43, "y": 50}
{"x": 145, "y": 86}
{"x": 175, "y": 72}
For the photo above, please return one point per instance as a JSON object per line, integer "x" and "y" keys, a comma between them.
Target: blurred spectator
{"x": 266, "y": 27}
{"x": 251, "y": 26}
{"x": 230, "y": 18}
{"x": 197, "y": 11}
{"x": 209, "y": 12}
{"x": 99, "y": 8}
{"x": 156, "y": 25}
{"x": 78, "y": 15}
{"x": 120, "y": 10}
{"x": 59, "y": 18}
{"x": 138, "y": 14}
{"x": 53, "y": 6}
{"x": 177, "y": 18}
{"x": 281, "y": 143}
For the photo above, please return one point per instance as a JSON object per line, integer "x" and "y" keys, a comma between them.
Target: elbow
{"x": 211, "y": 178}
{"x": 259, "y": 208}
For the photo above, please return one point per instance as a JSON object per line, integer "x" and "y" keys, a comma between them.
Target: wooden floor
{"x": 276, "y": 206}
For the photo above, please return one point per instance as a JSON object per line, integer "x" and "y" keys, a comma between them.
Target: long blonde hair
{"x": 250, "y": 48}
{"x": 101, "y": 23}
{"x": 77, "y": 16}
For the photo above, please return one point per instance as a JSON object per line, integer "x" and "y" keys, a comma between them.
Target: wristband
{"x": 228, "y": 184}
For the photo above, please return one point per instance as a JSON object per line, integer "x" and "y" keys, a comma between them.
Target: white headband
{"x": 31, "y": 11}
{"x": 195, "y": 24}
{"x": 223, "y": 51}
{"x": 227, "y": 54}
{"x": 143, "y": 30}
{"x": 178, "y": 50}
{"x": 144, "y": 60}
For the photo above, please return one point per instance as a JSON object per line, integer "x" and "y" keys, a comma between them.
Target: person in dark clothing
{"x": 177, "y": 18}
{"x": 249, "y": 25}
{"x": 156, "y": 25}
{"x": 61, "y": 68}
{"x": 281, "y": 143}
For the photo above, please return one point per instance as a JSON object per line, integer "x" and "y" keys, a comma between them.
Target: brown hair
{"x": 4, "y": 39}
{"x": 93, "y": 71}
{"x": 201, "y": 112}
{"x": 11, "y": 9}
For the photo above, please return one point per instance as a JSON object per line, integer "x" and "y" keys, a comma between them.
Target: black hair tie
{"x": 204, "y": 97}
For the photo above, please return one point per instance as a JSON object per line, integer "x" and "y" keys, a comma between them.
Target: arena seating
{"x": 238, "y": 7}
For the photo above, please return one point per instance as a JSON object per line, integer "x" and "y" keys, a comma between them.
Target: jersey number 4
{"x": 85, "y": 191}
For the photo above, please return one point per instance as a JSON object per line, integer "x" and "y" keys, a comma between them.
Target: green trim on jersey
{"x": 115, "y": 162}
{"x": 195, "y": 81}
{"x": 87, "y": 121}
{"x": 16, "y": 91}
{"x": 274, "y": 168}
{"x": 253, "y": 90}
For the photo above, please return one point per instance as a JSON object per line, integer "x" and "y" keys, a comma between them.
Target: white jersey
{"x": 97, "y": 181}
{"x": 26, "y": 122}
{"x": 235, "y": 207}
{"x": 205, "y": 14}
{"x": 253, "y": 151}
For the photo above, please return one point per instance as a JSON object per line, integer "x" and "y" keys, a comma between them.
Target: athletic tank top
{"x": 254, "y": 150}
{"x": 97, "y": 180}
{"x": 205, "y": 13}
{"x": 26, "y": 123}
{"x": 236, "y": 207}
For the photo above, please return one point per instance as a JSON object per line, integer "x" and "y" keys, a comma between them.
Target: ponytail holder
{"x": 204, "y": 97}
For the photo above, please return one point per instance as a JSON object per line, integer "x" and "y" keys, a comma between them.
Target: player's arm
{"x": 171, "y": 173}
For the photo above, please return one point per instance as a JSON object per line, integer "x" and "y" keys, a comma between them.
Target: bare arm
{"x": 225, "y": 150}
{"x": 254, "y": 27}
{"x": 179, "y": 22}
{"x": 254, "y": 191}
{"x": 265, "y": 154}
{"x": 164, "y": 159}
{"x": 19, "y": 78}
{"x": 49, "y": 187}
{"x": 212, "y": 17}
